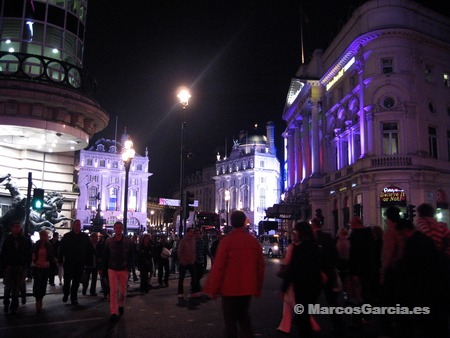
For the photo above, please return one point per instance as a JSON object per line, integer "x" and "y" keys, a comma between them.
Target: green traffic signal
{"x": 38, "y": 199}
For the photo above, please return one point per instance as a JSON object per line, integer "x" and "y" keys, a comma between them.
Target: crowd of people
{"x": 79, "y": 259}
{"x": 402, "y": 266}
{"x": 399, "y": 265}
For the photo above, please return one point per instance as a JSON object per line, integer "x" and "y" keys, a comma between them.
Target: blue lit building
{"x": 368, "y": 119}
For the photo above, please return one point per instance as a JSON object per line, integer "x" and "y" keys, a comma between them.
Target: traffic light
{"x": 38, "y": 199}
{"x": 188, "y": 203}
{"x": 411, "y": 212}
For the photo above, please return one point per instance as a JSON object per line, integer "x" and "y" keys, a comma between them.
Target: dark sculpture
{"x": 44, "y": 219}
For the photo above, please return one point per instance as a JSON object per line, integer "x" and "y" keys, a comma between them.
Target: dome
{"x": 255, "y": 140}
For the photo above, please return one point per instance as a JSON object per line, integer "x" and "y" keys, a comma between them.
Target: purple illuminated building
{"x": 368, "y": 119}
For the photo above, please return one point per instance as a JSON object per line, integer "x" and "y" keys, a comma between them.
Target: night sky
{"x": 237, "y": 57}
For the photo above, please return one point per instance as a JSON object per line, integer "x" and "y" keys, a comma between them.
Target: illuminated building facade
{"x": 368, "y": 119}
{"x": 46, "y": 107}
{"x": 101, "y": 182}
{"x": 249, "y": 179}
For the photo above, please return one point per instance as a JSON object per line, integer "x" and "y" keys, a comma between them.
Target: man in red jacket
{"x": 237, "y": 275}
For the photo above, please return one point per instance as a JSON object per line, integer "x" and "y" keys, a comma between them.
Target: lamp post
{"x": 184, "y": 96}
{"x": 227, "y": 203}
{"x": 127, "y": 156}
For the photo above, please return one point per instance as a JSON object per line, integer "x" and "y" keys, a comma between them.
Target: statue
{"x": 43, "y": 219}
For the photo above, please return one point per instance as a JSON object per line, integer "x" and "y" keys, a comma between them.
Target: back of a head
{"x": 237, "y": 219}
{"x": 304, "y": 231}
{"x": 315, "y": 222}
{"x": 425, "y": 210}
{"x": 404, "y": 224}
{"x": 392, "y": 214}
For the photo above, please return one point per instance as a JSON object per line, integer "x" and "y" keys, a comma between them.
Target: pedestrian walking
{"x": 328, "y": 261}
{"x": 289, "y": 296}
{"x": 118, "y": 258}
{"x": 304, "y": 272}
{"x": 103, "y": 273}
{"x": 42, "y": 258}
{"x": 55, "y": 268}
{"x": 186, "y": 260}
{"x": 91, "y": 268}
{"x": 15, "y": 258}
{"x": 163, "y": 252}
{"x": 237, "y": 275}
{"x": 145, "y": 262}
{"x": 72, "y": 254}
{"x": 201, "y": 255}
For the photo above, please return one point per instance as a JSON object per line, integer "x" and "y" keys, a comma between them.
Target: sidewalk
{"x": 133, "y": 286}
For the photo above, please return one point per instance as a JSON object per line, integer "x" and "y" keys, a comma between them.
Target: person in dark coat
{"x": 73, "y": 251}
{"x": 328, "y": 262}
{"x": 304, "y": 272}
{"x": 145, "y": 255}
{"x": 54, "y": 268}
{"x": 422, "y": 282}
{"x": 15, "y": 258}
{"x": 361, "y": 260}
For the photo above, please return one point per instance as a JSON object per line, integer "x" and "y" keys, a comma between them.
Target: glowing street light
{"x": 227, "y": 203}
{"x": 128, "y": 154}
{"x": 183, "y": 95}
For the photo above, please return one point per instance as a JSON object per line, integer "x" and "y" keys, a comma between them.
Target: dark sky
{"x": 237, "y": 57}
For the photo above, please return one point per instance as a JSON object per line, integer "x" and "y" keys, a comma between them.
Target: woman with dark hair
{"x": 304, "y": 273}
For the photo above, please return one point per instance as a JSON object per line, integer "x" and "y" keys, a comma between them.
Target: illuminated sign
{"x": 340, "y": 73}
{"x": 393, "y": 195}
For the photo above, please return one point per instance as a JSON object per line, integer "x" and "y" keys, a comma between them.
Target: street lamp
{"x": 127, "y": 156}
{"x": 183, "y": 95}
{"x": 227, "y": 203}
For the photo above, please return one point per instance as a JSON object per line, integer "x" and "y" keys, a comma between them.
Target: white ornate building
{"x": 101, "y": 182}
{"x": 250, "y": 177}
{"x": 368, "y": 119}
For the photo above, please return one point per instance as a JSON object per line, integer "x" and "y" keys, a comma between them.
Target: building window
{"x": 93, "y": 178}
{"x": 113, "y": 180}
{"x": 390, "y": 138}
{"x": 388, "y": 102}
{"x": 431, "y": 107}
{"x": 102, "y": 163}
{"x": 262, "y": 199}
{"x": 447, "y": 80}
{"x": 386, "y": 66}
{"x": 93, "y": 191}
{"x": 246, "y": 199}
{"x": 428, "y": 73}
{"x": 112, "y": 202}
{"x": 139, "y": 167}
{"x": 132, "y": 200}
{"x": 89, "y": 161}
{"x": 115, "y": 165}
{"x": 432, "y": 142}
{"x": 261, "y": 164}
